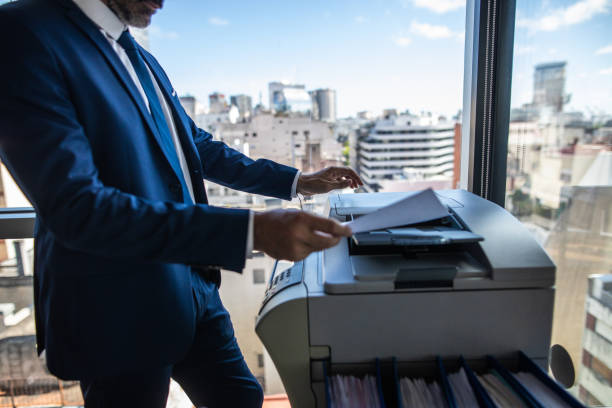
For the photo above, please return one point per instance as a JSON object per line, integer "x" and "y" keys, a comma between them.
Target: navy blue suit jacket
{"x": 114, "y": 241}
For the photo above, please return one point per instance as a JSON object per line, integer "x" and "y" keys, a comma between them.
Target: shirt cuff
{"x": 249, "y": 241}
{"x": 294, "y": 185}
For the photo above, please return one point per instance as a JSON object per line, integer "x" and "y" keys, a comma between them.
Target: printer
{"x": 471, "y": 284}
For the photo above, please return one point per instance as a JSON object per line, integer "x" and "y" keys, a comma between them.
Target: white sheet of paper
{"x": 420, "y": 207}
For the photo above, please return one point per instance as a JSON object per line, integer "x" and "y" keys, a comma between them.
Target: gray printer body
{"x": 340, "y": 309}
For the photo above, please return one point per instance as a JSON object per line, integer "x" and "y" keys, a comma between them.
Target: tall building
{"x": 595, "y": 378}
{"x": 407, "y": 152}
{"x": 217, "y": 103}
{"x": 324, "y": 105}
{"x": 244, "y": 103}
{"x": 389, "y": 113}
{"x": 189, "y": 104}
{"x": 289, "y": 98}
{"x": 366, "y": 115}
{"x": 295, "y": 140}
{"x": 549, "y": 85}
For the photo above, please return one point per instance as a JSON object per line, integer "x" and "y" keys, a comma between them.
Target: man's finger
{"x": 337, "y": 184}
{"x": 329, "y": 226}
{"x": 318, "y": 241}
{"x": 349, "y": 173}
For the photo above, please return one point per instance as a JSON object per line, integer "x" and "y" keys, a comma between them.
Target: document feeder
{"x": 473, "y": 284}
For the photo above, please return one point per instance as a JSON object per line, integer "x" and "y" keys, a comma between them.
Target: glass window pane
{"x": 560, "y": 169}
{"x": 24, "y": 379}
{"x": 259, "y": 275}
{"x": 260, "y": 360}
{"x": 376, "y": 86}
{"x": 317, "y": 96}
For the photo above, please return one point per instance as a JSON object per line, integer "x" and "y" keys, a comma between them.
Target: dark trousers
{"x": 213, "y": 374}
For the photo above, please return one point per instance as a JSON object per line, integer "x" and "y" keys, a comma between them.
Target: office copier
{"x": 472, "y": 284}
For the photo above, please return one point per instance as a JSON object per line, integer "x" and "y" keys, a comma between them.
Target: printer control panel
{"x": 279, "y": 281}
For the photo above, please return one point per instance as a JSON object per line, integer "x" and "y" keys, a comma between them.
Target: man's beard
{"x": 135, "y": 13}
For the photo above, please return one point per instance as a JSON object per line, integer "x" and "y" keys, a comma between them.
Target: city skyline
{"x": 332, "y": 46}
{"x": 396, "y": 54}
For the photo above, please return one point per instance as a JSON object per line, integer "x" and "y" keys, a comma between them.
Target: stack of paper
{"x": 414, "y": 209}
{"x": 354, "y": 392}
{"x": 462, "y": 390}
{"x": 417, "y": 393}
{"x": 500, "y": 392}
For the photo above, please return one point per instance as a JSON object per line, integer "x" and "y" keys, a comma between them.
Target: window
{"x": 559, "y": 182}
{"x": 377, "y": 86}
{"x": 17, "y": 335}
{"x": 352, "y": 83}
{"x": 260, "y": 360}
{"x": 606, "y": 226}
{"x": 259, "y": 276}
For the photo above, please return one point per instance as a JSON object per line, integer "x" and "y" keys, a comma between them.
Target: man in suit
{"x": 127, "y": 251}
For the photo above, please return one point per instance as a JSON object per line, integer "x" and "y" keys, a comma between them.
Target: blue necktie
{"x": 129, "y": 45}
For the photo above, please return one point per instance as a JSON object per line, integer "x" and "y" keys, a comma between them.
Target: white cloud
{"x": 158, "y": 32}
{"x": 604, "y": 50}
{"x": 218, "y": 21}
{"x": 607, "y": 71}
{"x": 402, "y": 41}
{"x": 579, "y": 12}
{"x": 433, "y": 31}
{"x": 360, "y": 19}
{"x": 439, "y": 6}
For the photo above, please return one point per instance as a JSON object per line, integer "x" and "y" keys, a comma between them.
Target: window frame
{"x": 17, "y": 222}
{"x": 487, "y": 86}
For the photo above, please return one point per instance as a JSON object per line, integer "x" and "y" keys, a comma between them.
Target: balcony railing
{"x": 39, "y": 392}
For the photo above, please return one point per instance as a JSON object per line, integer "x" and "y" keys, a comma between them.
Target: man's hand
{"x": 328, "y": 179}
{"x": 293, "y": 235}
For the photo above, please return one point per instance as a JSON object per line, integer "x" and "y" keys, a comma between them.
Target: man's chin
{"x": 140, "y": 21}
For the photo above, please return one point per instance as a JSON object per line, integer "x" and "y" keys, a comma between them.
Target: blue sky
{"x": 406, "y": 54}
{"x": 367, "y": 50}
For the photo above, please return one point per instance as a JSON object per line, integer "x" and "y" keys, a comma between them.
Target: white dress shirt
{"x": 112, "y": 27}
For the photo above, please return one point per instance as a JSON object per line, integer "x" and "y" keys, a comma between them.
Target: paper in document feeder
{"x": 416, "y": 236}
{"x": 418, "y": 220}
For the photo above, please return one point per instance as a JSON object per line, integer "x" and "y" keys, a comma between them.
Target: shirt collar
{"x": 103, "y": 17}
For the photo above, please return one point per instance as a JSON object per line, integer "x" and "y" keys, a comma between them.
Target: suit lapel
{"x": 113, "y": 60}
{"x": 172, "y": 99}
{"x": 182, "y": 126}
